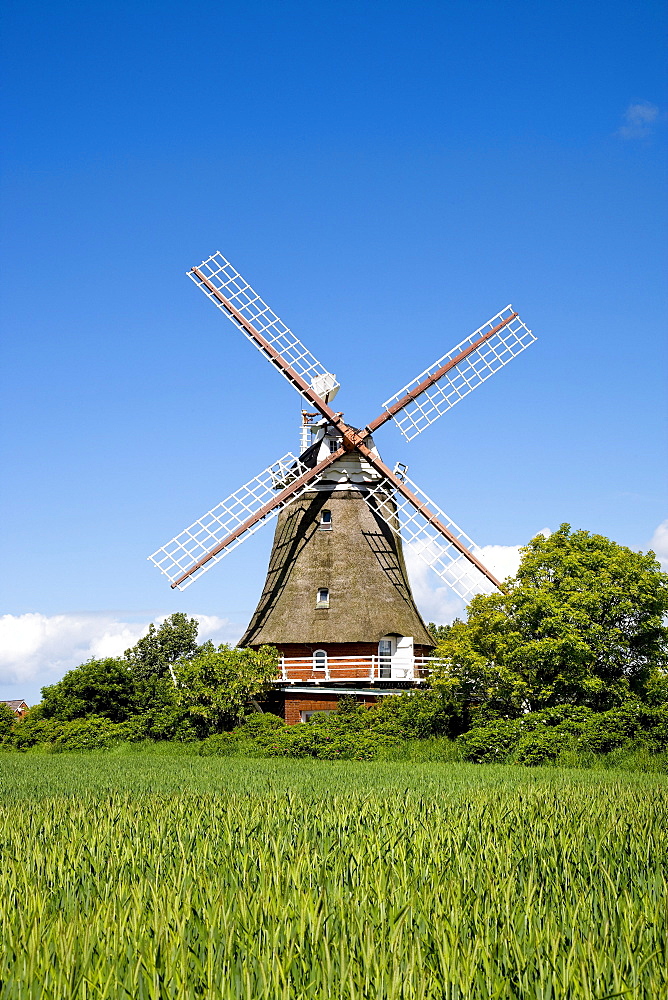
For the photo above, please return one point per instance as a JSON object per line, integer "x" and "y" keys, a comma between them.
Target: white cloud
{"x": 659, "y": 543}
{"x": 217, "y": 629}
{"x": 37, "y": 649}
{"x": 639, "y": 120}
{"x": 436, "y": 600}
{"x": 502, "y": 560}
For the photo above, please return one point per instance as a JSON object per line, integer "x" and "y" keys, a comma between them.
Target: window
{"x": 326, "y": 520}
{"x": 333, "y": 445}
{"x": 320, "y": 660}
{"x": 305, "y": 716}
{"x": 323, "y": 598}
{"x": 385, "y": 657}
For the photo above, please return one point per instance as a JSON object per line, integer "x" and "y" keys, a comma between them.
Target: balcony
{"x": 344, "y": 669}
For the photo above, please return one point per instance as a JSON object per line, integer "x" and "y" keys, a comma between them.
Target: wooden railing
{"x": 356, "y": 668}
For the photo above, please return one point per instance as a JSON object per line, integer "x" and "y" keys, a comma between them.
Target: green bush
{"x": 7, "y": 722}
{"x": 260, "y": 726}
{"x": 93, "y": 733}
{"x": 627, "y": 725}
{"x": 33, "y": 729}
{"x": 163, "y": 722}
{"x": 98, "y": 687}
{"x": 416, "y": 715}
{"x": 490, "y": 744}
{"x": 252, "y": 738}
{"x": 542, "y": 746}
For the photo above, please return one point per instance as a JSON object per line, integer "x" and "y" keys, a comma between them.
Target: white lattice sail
{"x": 468, "y": 374}
{"x": 197, "y": 540}
{"x": 226, "y": 279}
{"x": 424, "y": 541}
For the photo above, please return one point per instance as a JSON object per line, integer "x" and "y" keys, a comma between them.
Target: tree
{"x": 157, "y": 652}
{"x": 7, "y": 721}
{"x": 581, "y": 623}
{"x": 217, "y": 687}
{"x": 98, "y": 687}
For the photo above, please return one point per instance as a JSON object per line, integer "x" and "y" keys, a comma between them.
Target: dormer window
{"x": 333, "y": 445}
{"x": 326, "y": 520}
{"x": 322, "y": 600}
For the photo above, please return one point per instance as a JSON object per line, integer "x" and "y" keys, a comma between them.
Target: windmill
{"x": 337, "y": 600}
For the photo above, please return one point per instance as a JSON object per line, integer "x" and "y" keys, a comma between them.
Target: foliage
{"x": 139, "y": 691}
{"x": 544, "y": 737}
{"x": 110, "y": 689}
{"x": 631, "y": 723}
{"x": 158, "y": 714}
{"x": 7, "y": 721}
{"x": 32, "y": 730}
{"x": 90, "y": 733}
{"x": 99, "y": 687}
{"x": 490, "y": 744}
{"x": 155, "y": 653}
{"x": 253, "y": 737}
{"x": 353, "y": 732}
{"x": 543, "y": 746}
{"x": 216, "y": 688}
{"x": 260, "y": 726}
{"x": 417, "y": 715}
{"x": 438, "y": 632}
{"x": 152, "y": 876}
{"x": 581, "y": 624}
{"x": 656, "y": 692}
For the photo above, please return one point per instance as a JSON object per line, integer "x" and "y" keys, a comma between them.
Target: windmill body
{"x": 337, "y": 601}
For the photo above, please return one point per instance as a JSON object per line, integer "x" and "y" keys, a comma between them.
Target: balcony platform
{"x": 377, "y": 671}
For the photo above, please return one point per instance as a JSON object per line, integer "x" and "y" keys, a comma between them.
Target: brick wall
{"x": 340, "y": 649}
{"x": 295, "y": 704}
{"x": 331, "y": 648}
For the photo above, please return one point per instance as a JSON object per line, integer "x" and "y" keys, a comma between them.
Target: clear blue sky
{"x": 388, "y": 176}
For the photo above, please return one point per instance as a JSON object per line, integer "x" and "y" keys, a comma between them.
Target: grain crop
{"x": 160, "y": 877}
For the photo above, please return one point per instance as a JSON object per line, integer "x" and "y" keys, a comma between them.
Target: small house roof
{"x": 15, "y": 703}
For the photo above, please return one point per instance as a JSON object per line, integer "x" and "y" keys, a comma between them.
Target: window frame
{"x": 306, "y": 714}
{"x": 322, "y": 602}
{"x": 322, "y": 655}
{"x": 385, "y": 656}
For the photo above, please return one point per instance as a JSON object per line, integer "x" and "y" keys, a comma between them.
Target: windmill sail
{"x": 198, "y": 542}
{"x": 429, "y": 533}
{"x": 219, "y": 280}
{"x": 423, "y": 540}
{"x": 457, "y": 373}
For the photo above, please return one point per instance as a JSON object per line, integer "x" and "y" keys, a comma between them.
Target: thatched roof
{"x": 360, "y": 562}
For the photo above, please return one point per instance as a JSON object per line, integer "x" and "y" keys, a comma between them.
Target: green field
{"x": 161, "y": 875}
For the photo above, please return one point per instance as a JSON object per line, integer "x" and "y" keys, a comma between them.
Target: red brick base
{"x": 334, "y": 649}
{"x": 296, "y": 704}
